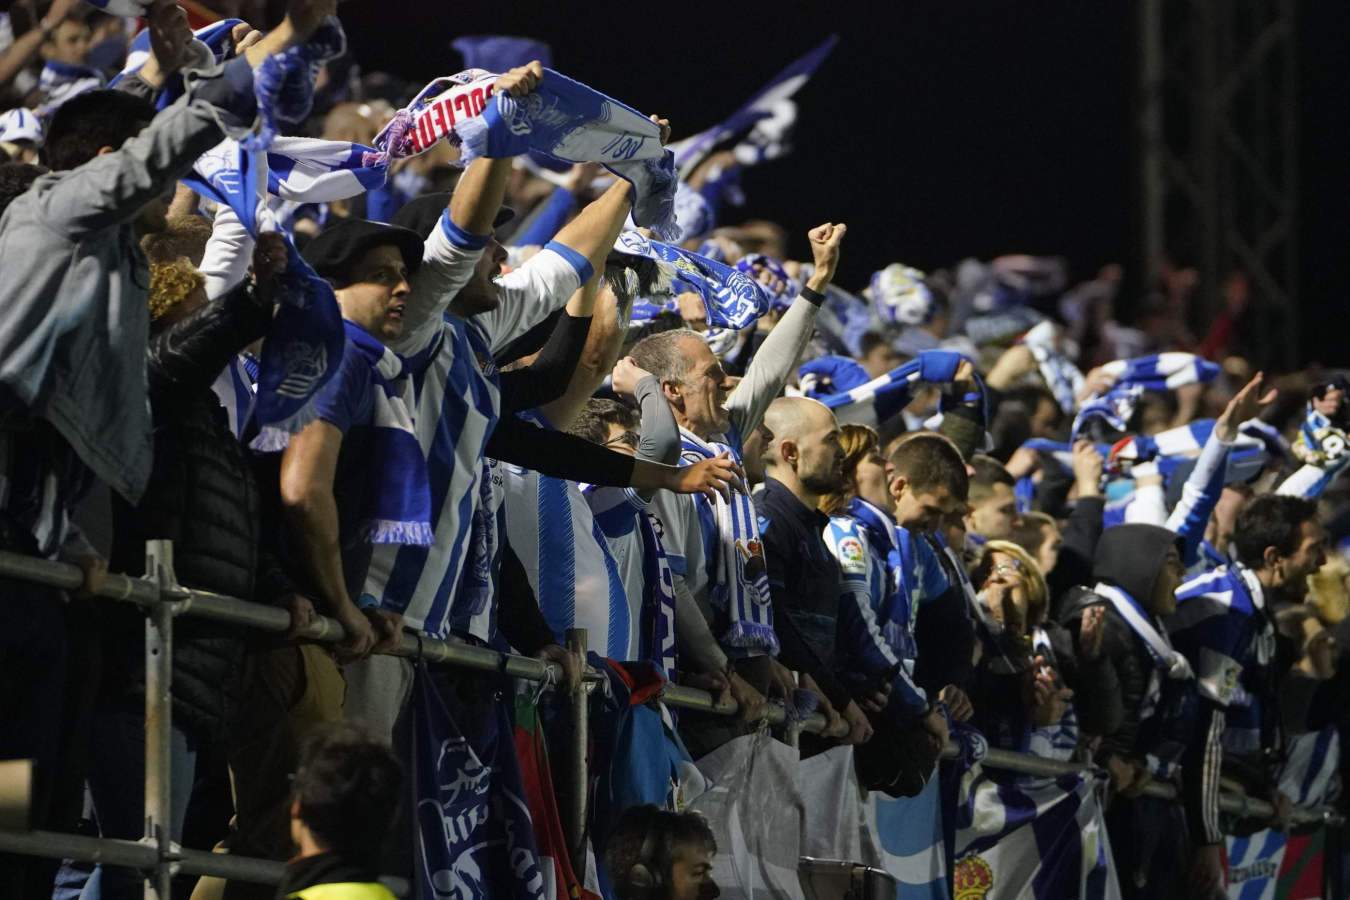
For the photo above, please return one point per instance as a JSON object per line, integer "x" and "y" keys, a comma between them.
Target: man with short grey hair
{"x": 715, "y": 550}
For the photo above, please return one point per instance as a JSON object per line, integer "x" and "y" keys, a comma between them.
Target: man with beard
{"x": 1225, "y": 625}
{"x": 802, "y": 464}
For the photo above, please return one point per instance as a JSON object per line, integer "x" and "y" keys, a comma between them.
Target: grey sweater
{"x": 75, "y": 285}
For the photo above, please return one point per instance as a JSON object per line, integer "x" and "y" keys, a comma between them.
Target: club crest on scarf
{"x": 304, "y": 366}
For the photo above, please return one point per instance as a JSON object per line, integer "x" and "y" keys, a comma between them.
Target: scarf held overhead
{"x": 733, "y": 299}
{"x": 561, "y": 118}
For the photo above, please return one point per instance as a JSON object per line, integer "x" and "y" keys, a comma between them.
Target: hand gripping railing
{"x": 165, "y": 600}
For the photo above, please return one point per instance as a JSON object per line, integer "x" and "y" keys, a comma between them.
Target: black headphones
{"x": 645, "y": 881}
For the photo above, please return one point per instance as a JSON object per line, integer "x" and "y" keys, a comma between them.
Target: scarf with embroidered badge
{"x": 740, "y": 576}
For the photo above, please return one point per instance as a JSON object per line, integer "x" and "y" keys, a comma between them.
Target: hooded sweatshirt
{"x": 1114, "y": 688}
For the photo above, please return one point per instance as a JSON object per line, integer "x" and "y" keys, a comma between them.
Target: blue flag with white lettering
{"x": 475, "y": 835}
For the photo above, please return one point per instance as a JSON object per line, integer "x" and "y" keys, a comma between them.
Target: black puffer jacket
{"x": 203, "y": 497}
{"x": 1129, "y": 557}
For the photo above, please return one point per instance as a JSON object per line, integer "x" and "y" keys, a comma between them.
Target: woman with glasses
{"x": 1022, "y": 698}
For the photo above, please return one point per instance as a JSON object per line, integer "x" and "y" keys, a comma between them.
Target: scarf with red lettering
{"x": 561, "y": 118}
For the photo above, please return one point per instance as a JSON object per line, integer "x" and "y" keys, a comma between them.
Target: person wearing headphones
{"x": 656, "y": 854}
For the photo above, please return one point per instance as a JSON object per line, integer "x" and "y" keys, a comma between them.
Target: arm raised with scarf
{"x": 114, "y": 187}
{"x": 778, "y": 355}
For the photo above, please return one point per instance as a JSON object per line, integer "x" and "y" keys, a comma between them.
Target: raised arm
{"x": 778, "y": 355}
{"x": 114, "y": 186}
{"x": 1201, "y": 492}
{"x": 457, "y": 242}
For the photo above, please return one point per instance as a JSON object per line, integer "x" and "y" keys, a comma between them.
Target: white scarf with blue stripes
{"x": 740, "y": 577}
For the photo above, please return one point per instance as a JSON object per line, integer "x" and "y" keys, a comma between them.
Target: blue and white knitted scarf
{"x": 841, "y": 384}
{"x": 733, "y": 299}
{"x": 1159, "y": 372}
{"x": 60, "y": 82}
{"x": 208, "y": 46}
{"x": 561, "y": 118}
{"x": 1062, "y": 377}
{"x": 656, "y": 630}
{"x": 740, "y": 576}
{"x": 398, "y": 506}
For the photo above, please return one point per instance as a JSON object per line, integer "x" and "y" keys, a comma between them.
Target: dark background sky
{"x": 937, "y": 130}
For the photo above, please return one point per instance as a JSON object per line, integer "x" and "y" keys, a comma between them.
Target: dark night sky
{"x": 937, "y": 130}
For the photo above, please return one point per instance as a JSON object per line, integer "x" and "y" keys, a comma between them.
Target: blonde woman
{"x": 1021, "y": 699}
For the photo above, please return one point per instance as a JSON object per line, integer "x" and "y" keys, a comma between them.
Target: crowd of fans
{"x": 907, "y": 508}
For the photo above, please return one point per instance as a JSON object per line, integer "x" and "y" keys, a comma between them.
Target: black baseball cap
{"x": 421, "y": 214}
{"x": 334, "y": 249}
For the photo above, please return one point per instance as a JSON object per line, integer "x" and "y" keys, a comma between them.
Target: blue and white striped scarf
{"x": 303, "y": 346}
{"x": 733, "y": 299}
{"x": 1159, "y": 372}
{"x": 656, "y": 629}
{"x": 740, "y": 577}
{"x": 841, "y": 384}
{"x": 61, "y": 81}
{"x": 208, "y": 46}
{"x": 560, "y": 118}
{"x": 284, "y": 82}
{"x": 398, "y": 505}
{"x": 1061, "y": 376}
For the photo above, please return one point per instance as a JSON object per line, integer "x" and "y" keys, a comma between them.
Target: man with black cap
{"x": 334, "y": 491}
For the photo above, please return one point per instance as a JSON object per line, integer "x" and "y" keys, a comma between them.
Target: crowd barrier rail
{"x": 164, "y": 600}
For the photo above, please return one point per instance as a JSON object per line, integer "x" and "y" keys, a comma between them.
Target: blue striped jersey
{"x": 1224, "y": 629}
{"x": 458, "y": 403}
{"x": 576, "y": 579}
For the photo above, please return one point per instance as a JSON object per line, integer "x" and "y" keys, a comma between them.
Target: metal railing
{"x": 165, "y": 600}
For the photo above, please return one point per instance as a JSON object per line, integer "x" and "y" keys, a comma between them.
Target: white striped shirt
{"x": 576, "y": 579}
{"x": 458, "y": 403}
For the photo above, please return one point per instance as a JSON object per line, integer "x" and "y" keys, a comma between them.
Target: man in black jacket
{"x": 1139, "y": 695}
{"x": 804, "y": 463}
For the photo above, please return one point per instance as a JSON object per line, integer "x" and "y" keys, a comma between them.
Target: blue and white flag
{"x": 733, "y": 299}
{"x": 908, "y": 834}
{"x": 475, "y": 834}
{"x": 759, "y": 130}
{"x": 1308, "y": 775}
{"x": 1028, "y": 838}
{"x": 560, "y": 118}
{"x": 304, "y": 343}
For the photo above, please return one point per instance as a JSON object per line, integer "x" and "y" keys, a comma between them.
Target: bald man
{"x": 802, "y": 462}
